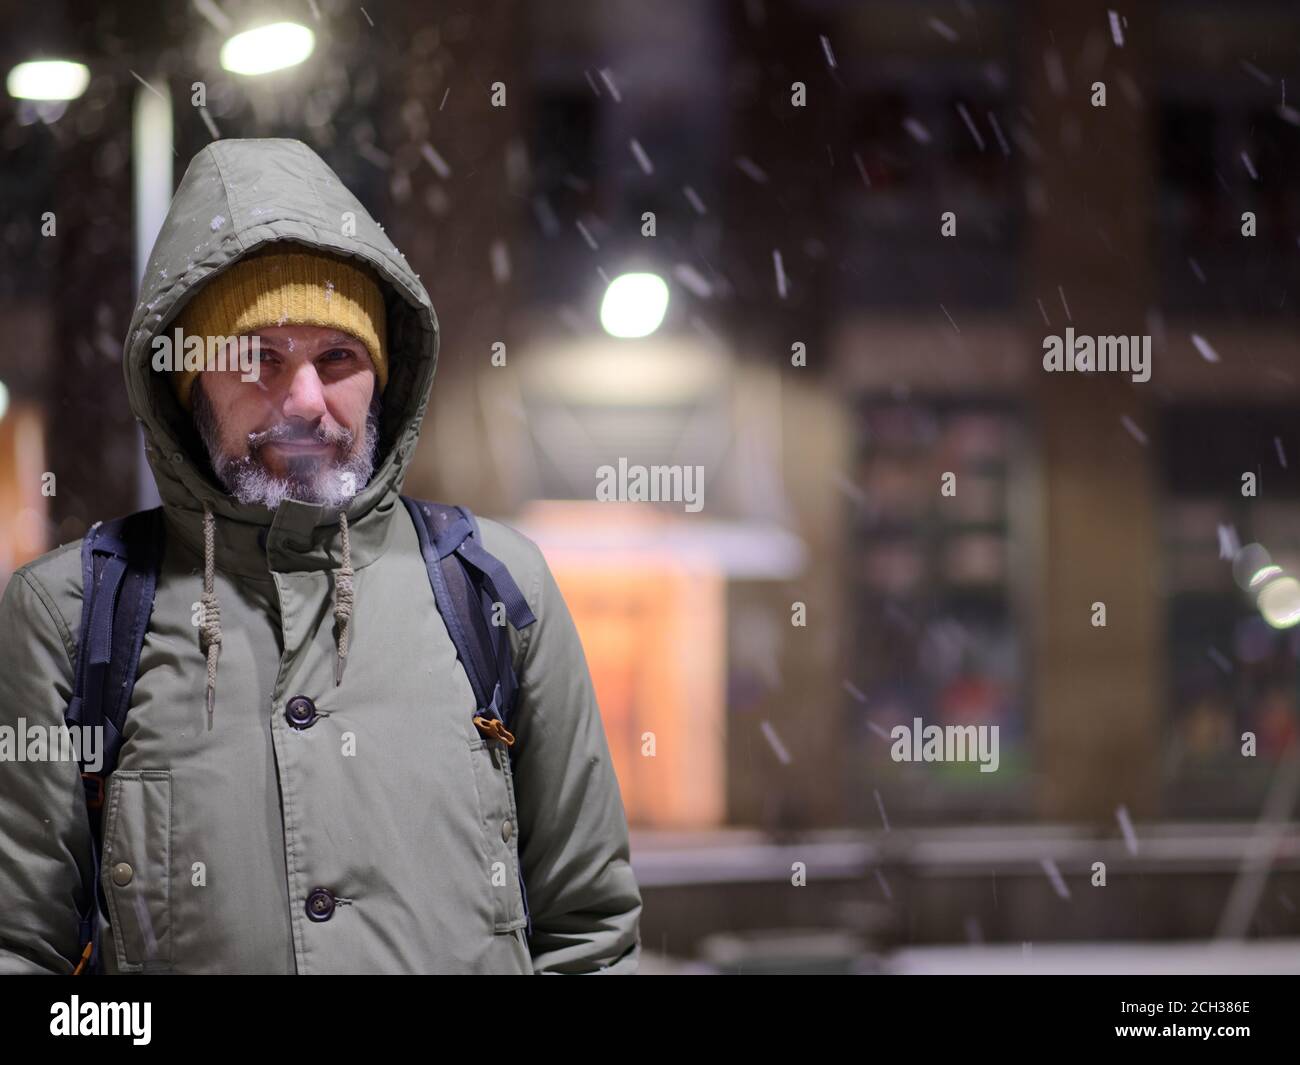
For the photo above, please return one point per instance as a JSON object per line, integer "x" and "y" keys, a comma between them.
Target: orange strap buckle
{"x": 490, "y": 726}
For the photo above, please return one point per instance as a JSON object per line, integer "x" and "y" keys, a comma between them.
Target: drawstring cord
{"x": 343, "y": 599}
{"x": 211, "y": 612}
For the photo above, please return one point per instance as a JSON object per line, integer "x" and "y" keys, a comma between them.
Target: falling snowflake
{"x": 500, "y": 257}
{"x": 586, "y": 235}
{"x": 1126, "y": 826}
{"x": 1219, "y": 659}
{"x": 1203, "y": 346}
{"x": 1229, "y": 542}
{"x": 826, "y": 48}
{"x": 1133, "y": 429}
{"x": 1116, "y": 29}
{"x": 435, "y": 160}
{"x": 916, "y": 131}
{"x": 769, "y": 733}
{"x": 751, "y": 169}
{"x": 1054, "y": 875}
{"x": 943, "y": 30}
{"x": 607, "y": 76}
{"x": 884, "y": 886}
{"x": 642, "y": 160}
{"x": 970, "y": 125}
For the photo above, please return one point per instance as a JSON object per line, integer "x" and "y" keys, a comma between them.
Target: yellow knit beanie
{"x": 301, "y": 287}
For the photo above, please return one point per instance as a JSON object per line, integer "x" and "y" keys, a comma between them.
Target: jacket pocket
{"x": 136, "y": 868}
{"x": 499, "y": 825}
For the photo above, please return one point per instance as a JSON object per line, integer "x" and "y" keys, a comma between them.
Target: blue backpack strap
{"x": 467, "y": 584}
{"x": 119, "y": 575}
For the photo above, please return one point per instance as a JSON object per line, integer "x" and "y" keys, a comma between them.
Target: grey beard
{"x": 249, "y": 481}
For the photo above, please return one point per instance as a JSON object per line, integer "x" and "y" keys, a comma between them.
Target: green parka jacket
{"x": 391, "y": 802}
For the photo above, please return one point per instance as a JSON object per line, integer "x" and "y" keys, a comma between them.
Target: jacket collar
{"x": 297, "y": 536}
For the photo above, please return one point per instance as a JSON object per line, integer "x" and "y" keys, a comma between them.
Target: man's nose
{"x": 306, "y": 396}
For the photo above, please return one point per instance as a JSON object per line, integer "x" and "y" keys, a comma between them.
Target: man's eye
{"x": 338, "y": 354}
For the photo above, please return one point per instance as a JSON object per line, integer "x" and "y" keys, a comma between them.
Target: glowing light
{"x": 1267, "y": 573}
{"x": 47, "y": 79}
{"x": 1279, "y": 602}
{"x": 634, "y": 305}
{"x": 1249, "y": 561}
{"x": 267, "y": 48}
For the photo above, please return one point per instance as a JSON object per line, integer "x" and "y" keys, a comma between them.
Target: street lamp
{"x": 1276, "y": 592}
{"x": 634, "y": 305}
{"x": 267, "y": 48}
{"x": 47, "y": 80}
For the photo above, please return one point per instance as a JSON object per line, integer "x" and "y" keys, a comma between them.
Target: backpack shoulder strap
{"x": 468, "y": 584}
{"x": 119, "y": 576}
{"x": 119, "y": 570}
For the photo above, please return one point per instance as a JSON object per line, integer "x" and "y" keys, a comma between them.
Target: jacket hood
{"x": 236, "y": 197}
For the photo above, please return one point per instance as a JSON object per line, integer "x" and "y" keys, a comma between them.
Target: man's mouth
{"x": 300, "y": 447}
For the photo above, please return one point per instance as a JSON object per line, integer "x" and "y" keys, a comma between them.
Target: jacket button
{"x": 506, "y": 828}
{"x": 320, "y": 904}
{"x": 301, "y": 712}
{"x": 122, "y": 874}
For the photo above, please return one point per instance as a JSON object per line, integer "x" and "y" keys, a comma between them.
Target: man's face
{"x": 306, "y": 429}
